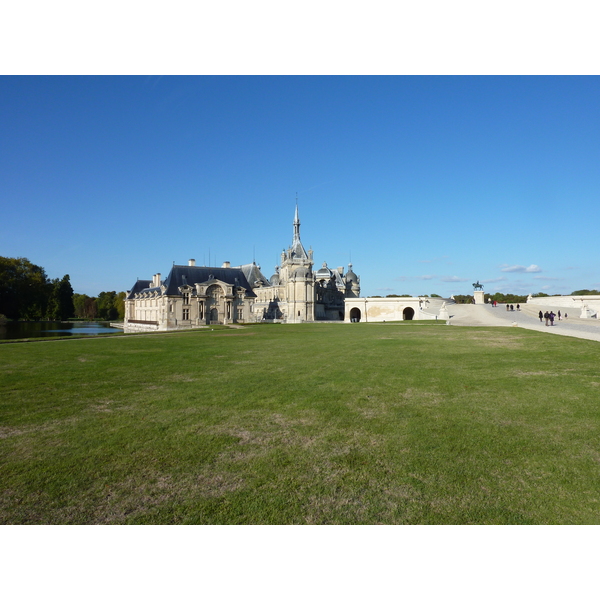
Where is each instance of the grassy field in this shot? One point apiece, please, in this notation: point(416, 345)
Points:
point(405, 423)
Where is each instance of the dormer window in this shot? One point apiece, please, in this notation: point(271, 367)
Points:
point(186, 297)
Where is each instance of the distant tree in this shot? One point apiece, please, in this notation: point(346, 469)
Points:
point(60, 303)
point(540, 295)
point(585, 293)
point(23, 289)
point(91, 308)
point(374, 296)
point(79, 305)
point(107, 309)
point(508, 298)
point(435, 296)
point(120, 305)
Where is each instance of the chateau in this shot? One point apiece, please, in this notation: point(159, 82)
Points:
point(194, 296)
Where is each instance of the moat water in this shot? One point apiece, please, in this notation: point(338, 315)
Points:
point(45, 329)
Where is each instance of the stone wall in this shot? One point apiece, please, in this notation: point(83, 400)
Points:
point(372, 310)
point(576, 306)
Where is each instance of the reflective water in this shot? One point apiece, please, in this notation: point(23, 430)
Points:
point(21, 330)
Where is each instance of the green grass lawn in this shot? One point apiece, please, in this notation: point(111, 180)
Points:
point(406, 423)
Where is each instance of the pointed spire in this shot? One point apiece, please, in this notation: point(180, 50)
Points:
point(297, 250)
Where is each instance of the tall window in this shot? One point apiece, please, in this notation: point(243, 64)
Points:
point(186, 314)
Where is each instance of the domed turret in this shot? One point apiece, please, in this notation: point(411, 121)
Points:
point(352, 283)
point(324, 273)
point(351, 275)
point(302, 273)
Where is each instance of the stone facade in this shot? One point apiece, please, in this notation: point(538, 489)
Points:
point(372, 310)
point(193, 296)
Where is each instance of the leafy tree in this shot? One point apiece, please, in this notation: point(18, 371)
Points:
point(585, 293)
point(23, 289)
point(507, 298)
point(120, 305)
point(107, 309)
point(91, 308)
point(435, 296)
point(79, 305)
point(60, 303)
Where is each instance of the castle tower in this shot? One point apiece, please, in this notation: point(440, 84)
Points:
point(352, 283)
point(297, 277)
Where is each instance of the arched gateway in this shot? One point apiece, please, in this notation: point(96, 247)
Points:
point(355, 315)
point(408, 313)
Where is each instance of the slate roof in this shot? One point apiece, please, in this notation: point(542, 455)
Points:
point(253, 275)
point(139, 286)
point(247, 276)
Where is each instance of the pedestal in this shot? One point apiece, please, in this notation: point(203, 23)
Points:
point(479, 297)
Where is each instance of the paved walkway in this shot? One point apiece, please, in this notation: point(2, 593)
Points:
point(527, 318)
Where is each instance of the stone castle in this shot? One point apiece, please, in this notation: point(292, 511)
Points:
point(194, 296)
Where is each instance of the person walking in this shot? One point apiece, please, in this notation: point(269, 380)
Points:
point(512, 307)
point(552, 315)
point(507, 308)
point(518, 307)
point(541, 316)
point(547, 317)
point(558, 315)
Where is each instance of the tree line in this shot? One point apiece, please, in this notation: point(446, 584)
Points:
point(27, 293)
point(497, 297)
point(107, 306)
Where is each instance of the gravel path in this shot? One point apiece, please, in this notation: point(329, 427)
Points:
point(527, 318)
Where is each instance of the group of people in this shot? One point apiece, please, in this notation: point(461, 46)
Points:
point(549, 316)
point(512, 307)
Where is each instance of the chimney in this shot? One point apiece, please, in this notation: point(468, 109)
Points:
point(156, 280)
point(226, 265)
point(192, 262)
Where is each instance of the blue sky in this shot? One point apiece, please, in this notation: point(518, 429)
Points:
point(426, 183)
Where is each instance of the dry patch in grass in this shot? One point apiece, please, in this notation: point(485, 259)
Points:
point(48, 427)
point(497, 341)
point(182, 378)
point(536, 373)
point(6, 432)
point(233, 334)
point(424, 397)
point(136, 496)
point(320, 509)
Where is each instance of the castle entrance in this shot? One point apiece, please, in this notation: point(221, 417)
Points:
point(408, 313)
point(355, 315)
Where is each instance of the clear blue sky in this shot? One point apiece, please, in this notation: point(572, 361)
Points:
point(426, 183)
